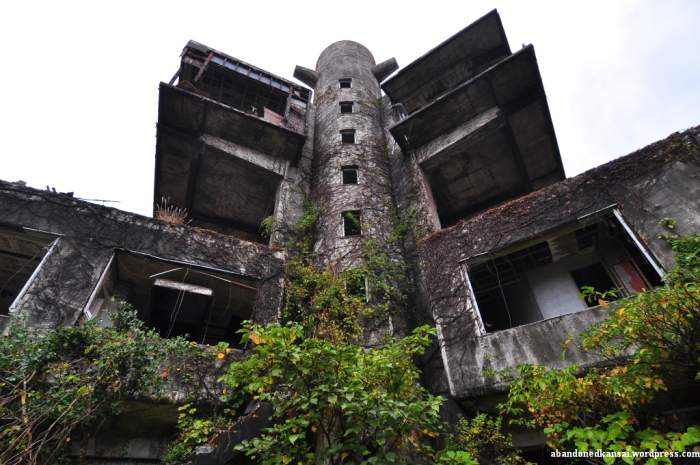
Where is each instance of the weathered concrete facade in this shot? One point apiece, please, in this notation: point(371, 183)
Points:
point(455, 172)
point(629, 195)
point(86, 237)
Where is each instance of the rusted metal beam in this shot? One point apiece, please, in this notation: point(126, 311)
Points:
point(204, 67)
point(175, 76)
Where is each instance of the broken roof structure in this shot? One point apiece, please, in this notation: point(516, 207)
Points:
point(226, 119)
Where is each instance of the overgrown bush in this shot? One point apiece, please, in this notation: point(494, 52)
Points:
point(54, 385)
point(336, 402)
point(483, 440)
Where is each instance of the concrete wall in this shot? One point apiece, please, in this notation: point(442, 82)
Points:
point(555, 291)
point(656, 182)
point(88, 236)
point(537, 343)
point(370, 196)
point(373, 195)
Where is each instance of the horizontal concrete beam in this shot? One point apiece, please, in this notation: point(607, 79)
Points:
point(196, 114)
point(384, 69)
point(268, 162)
point(466, 133)
point(306, 75)
point(538, 343)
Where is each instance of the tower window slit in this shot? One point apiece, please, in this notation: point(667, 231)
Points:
point(347, 136)
point(352, 223)
point(349, 174)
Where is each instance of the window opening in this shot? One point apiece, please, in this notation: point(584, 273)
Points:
point(100, 305)
point(352, 223)
point(586, 237)
point(594, 276)
point(346, 107)
point(543, 280)
point(358, 287)
point(347, 136)
point(241, 92)
point(640, 261)
point(22, 253)
point(345, 83)
point(236, 84)
point(349, 174)
point(177, 299)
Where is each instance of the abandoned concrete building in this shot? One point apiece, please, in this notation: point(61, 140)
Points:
point(459, 143)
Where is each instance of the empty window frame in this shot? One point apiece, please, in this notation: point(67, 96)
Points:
point(346, 107)
point(595, 276)
point(102, 307)
point(347, 136)
point(543, 280)
point(100, 304)
point(345, 83)
point(352, 223)
point(349, 174)
point(177, 299)
point(22, 254)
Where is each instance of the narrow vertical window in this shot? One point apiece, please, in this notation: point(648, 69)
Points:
point(345, 83)
point(352, 223)
point(349, 174)
point(347, 136)
point(346, 107)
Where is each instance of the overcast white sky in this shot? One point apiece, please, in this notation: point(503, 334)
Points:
point(79, 80)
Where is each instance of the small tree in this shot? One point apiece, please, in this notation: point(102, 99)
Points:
point(336, 402)
point(484, 441)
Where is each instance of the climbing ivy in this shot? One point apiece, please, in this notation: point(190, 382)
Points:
point(336, 304)
point(336, 401)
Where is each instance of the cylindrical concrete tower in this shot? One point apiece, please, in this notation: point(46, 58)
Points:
point(351, 178)
point(351, 173)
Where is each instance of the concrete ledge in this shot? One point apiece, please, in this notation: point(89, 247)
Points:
point(537, 343)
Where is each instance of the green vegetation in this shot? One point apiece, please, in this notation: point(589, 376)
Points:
point(336, 402)
point(266, 226)
point(481, 441)
point(195, 431)
point(55, 385)
point(654, 341)
point(333, 304)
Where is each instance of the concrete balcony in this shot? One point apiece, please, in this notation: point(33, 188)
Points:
point(489, 140)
